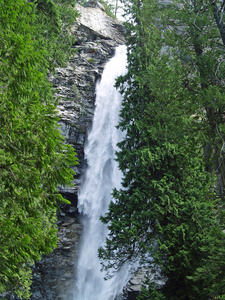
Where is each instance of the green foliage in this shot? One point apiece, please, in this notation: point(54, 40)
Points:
point(109, 8)
point(34, 158)
point(52, 22)
point(169, 212)
point(150, 291)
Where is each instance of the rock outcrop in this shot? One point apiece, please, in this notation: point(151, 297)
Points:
point(97, 35)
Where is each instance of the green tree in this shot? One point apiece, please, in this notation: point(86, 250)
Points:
point(199, 37)
point(168, 212)
point(34, 158)
point(53, 20)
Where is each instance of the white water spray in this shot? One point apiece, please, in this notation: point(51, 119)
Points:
point(102, 175)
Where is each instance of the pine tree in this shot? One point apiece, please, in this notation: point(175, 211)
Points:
point(34, 158)
point(200, 41)
point(167, 213)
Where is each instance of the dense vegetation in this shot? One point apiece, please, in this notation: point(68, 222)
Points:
point(169, 213)
point(34, 160)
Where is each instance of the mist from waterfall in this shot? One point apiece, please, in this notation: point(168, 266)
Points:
point(101, 176)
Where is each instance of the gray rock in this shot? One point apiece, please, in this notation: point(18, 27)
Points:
point(53, 275)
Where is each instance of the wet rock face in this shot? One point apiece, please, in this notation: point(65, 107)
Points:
point(97, 35)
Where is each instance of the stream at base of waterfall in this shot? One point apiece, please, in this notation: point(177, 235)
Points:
point(100, 177)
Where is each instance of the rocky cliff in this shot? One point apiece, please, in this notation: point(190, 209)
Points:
point(97, 35)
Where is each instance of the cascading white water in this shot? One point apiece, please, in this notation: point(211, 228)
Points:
point(102, 175)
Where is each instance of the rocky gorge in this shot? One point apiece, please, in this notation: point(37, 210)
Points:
point(97, 36)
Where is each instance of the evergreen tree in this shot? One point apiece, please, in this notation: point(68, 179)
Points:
point(199, 39)
point(168, 213)
point(34, 158)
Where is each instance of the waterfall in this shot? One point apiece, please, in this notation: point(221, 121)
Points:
point(102, 175)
